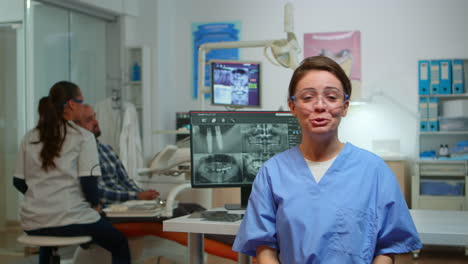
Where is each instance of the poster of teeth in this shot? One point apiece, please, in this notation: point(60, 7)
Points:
point(342, 47)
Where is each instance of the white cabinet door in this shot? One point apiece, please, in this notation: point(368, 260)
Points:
point(11, 10)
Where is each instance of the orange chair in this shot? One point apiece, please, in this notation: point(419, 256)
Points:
point(154, 228)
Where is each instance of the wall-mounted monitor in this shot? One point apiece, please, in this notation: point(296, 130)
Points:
point(229, 147)
point(235, 83)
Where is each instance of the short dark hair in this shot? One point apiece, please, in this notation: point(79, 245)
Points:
point(321, 63)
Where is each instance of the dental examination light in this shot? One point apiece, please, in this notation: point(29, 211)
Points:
point(284, 51)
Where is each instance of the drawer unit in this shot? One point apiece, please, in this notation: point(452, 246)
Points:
point(445, 169)
point(440, 185)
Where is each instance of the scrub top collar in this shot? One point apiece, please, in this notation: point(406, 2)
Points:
point(335, 168)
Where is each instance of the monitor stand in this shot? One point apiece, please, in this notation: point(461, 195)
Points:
point(245, 194)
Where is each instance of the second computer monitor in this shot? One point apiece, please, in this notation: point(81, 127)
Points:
point(235, 83)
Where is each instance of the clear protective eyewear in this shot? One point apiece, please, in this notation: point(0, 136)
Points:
point(330, 99)
point(76, 100)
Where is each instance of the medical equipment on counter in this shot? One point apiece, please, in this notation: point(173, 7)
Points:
point(171, 161)
point(170, 166)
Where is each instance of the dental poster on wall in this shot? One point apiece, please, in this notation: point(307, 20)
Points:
point(342, 47)
point(213, 32)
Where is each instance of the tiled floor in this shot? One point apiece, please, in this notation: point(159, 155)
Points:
point(149, 249)
point(10, 250)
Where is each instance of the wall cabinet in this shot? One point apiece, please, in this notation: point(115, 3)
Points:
point(440, 183)
point(137, 91)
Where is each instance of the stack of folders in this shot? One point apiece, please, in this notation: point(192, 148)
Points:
point(429, 114)
point(442, 76)
point(438, 77)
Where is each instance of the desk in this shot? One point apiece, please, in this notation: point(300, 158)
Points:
point(196, 227)
point(446, 228)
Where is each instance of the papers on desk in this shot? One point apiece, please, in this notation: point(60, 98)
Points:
point(220, 216)
point(136, 208)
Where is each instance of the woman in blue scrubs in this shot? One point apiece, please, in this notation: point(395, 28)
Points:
point(325, 201)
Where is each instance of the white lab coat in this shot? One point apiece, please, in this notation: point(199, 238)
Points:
point(54, 198)
point(131, 153)
point(110, 122)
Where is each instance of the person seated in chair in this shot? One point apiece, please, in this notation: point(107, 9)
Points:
point(57, 170)
point(115, 186)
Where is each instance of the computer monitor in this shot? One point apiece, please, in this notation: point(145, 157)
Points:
point(235, 83)
point(229, 147)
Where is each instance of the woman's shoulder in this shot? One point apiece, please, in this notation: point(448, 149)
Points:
point(367, 159)
point(79, 131)
point(361, 153)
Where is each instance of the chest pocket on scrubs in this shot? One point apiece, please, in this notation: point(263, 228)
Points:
point(354, 233)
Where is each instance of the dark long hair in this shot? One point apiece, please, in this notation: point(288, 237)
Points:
point(51, 125)
point(321, 63)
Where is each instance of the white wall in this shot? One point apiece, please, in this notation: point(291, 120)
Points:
point(129, 7)
point(395, 35)
point(11, 11)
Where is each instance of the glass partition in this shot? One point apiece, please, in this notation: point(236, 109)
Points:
point(87, 56)
point(10, 116)
point(66, 45)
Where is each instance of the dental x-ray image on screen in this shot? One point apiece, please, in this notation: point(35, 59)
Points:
point(264, 138)
point(221, 138)
point(235, 83)
point(218, 168)
point(228, 148)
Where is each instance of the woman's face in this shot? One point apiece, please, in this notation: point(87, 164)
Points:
point(319, 103)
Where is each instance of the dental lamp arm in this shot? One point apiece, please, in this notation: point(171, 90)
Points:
point(279, 44)
point(288, 18)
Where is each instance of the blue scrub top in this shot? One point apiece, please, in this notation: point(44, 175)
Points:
point(354, 213)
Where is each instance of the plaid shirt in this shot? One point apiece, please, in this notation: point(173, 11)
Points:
point(114, 184)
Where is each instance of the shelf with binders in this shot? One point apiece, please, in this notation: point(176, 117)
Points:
point(444, 113)
point(441, 173)
point(449, 133)
point(442, 77)
point(445, 96)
